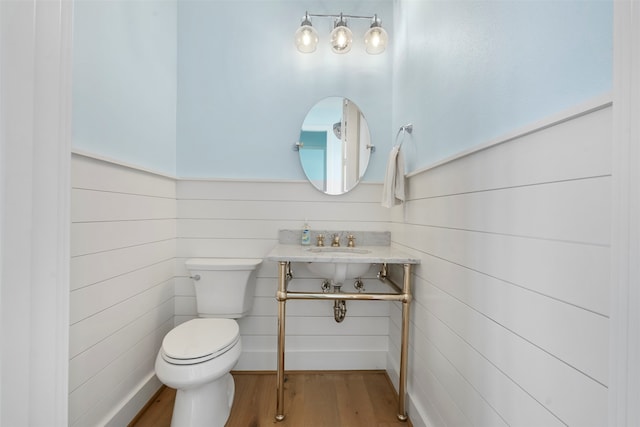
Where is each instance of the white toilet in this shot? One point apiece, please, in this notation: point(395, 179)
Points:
point(197, 356)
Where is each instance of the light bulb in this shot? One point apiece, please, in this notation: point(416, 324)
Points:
point(376, 38)
point(341, 37)
point(306, 36)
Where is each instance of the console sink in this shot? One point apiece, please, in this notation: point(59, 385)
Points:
point(338, 263)
point(339, 270)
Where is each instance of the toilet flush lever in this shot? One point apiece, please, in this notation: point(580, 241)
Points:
point(196, 277)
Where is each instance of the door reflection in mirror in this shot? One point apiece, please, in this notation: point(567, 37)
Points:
point(335, 145)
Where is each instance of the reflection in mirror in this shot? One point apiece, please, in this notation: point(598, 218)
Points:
point(334, 145)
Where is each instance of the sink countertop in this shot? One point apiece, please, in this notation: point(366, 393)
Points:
point(376, 255)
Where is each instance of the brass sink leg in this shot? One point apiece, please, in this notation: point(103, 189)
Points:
point(401, 295)
point(283, 272)
point(404, 345)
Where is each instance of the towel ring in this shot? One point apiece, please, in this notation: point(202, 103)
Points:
point(408, 128)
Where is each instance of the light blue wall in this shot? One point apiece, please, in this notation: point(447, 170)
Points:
point(230, 102)
point(467, 72)
point(244, 89)
point(124, 81)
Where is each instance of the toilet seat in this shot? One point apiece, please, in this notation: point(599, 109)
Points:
point(199, 340)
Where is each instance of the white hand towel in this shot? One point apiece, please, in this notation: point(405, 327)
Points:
point(393, 189)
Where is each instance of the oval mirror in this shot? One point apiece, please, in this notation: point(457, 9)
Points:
point(334, 145)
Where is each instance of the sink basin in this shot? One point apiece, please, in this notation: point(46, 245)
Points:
point(339, 270)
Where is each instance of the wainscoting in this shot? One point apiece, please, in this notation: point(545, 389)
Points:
point(510, 317)
point(241, 219)
point(121, 302)
point(132, 230)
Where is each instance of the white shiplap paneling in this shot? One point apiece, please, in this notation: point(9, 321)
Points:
point(242, 219)
point(99, 266)
point(510, 317)
point(121, 303)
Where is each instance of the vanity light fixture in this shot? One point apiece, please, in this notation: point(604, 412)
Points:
point(375, 40)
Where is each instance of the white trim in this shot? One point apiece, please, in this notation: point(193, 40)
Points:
point(36, 116)
point(65, 90)
point(133, 402)
point(116, 162)
point(111, 160)
point(2, 204)
point(266, 181)
point(624, 393)
point(304, 360)
point(594, 104)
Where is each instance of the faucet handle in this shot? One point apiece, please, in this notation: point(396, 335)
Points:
point(320, 240)
point(335, 242)
point(351, 242)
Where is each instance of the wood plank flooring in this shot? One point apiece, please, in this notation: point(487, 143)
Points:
point(312, 399)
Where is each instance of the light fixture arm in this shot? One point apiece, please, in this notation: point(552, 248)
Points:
point(341, 15)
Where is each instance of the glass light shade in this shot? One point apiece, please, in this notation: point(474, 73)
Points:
point(341, 38)
point(375, 40)
point(306, 39)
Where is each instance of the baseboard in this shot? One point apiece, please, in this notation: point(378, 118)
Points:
point(313, 360)
point(415, 411)
point(142, 410)
point(392, 369)
point(133, 403)
point(416, 414)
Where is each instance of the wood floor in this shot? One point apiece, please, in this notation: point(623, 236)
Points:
point(312, 399)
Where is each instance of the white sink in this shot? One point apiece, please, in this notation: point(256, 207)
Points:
point(338, 270)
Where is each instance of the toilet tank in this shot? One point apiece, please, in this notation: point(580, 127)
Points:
point(224, 286)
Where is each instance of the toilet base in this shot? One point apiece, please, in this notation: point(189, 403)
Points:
point(207, 405)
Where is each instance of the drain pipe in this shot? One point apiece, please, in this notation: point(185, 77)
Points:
point(339, 310)
point(339, 306)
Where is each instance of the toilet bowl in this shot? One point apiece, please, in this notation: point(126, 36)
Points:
point(197, 356)
point(195, 359)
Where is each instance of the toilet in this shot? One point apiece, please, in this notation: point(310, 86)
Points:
point(197, 356)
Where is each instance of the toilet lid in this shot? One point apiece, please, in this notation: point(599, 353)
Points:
point(200, 339)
